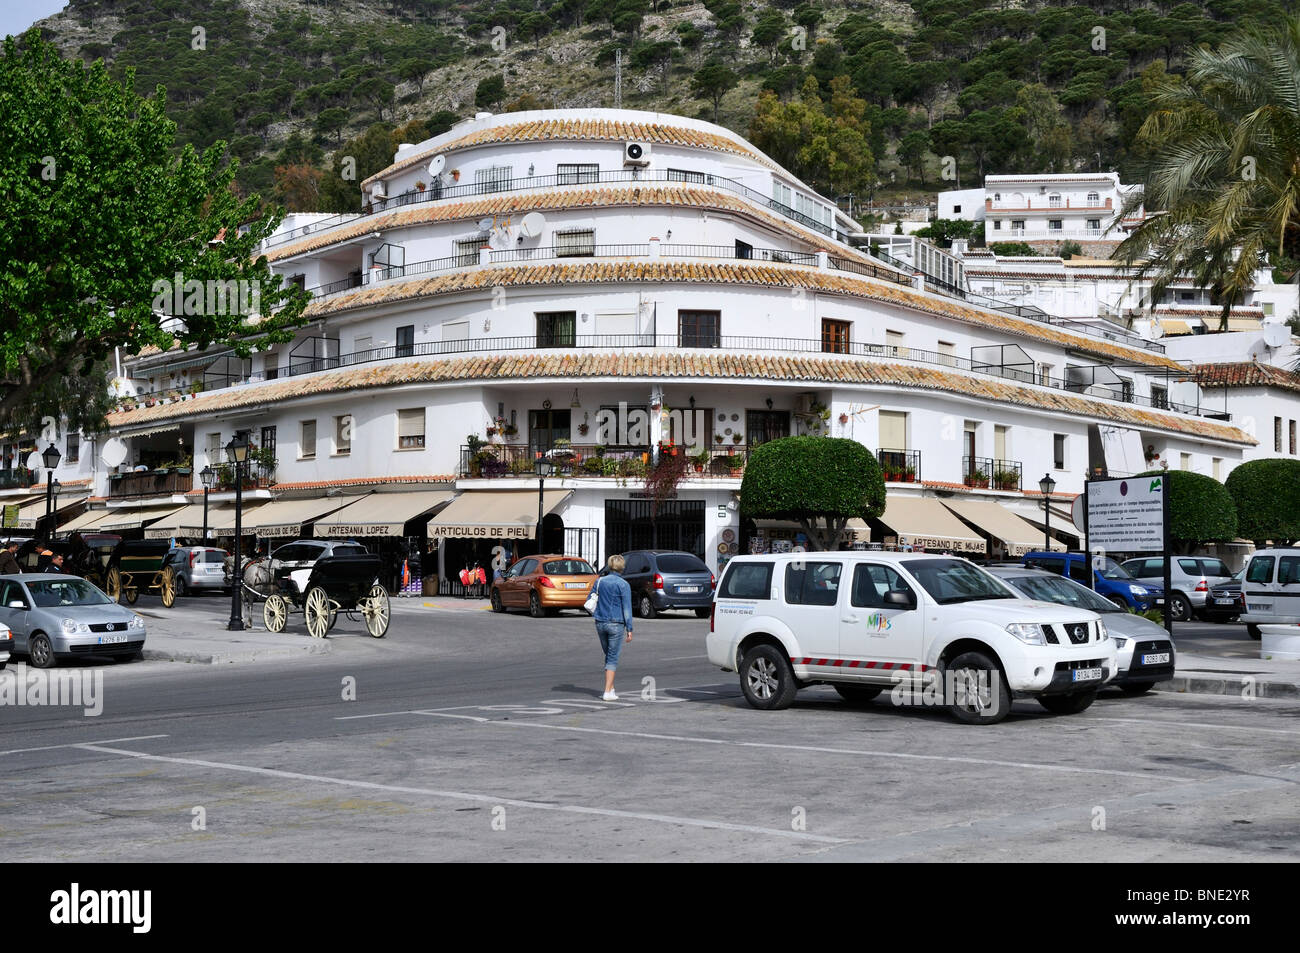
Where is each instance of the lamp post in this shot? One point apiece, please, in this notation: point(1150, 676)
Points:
point(209, 478)
point(50, 458)
point(544, 468)
point(1047, 485)
point(237, 451)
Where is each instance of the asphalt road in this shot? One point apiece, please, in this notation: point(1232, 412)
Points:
point(477, 737)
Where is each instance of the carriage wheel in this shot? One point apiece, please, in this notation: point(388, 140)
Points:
point(275, 613)
point(168, 586)
point(376, 611)
point(132, 594)
point(317, 610)
point(113, 584)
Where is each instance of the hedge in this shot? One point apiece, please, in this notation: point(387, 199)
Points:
point(1267, 497)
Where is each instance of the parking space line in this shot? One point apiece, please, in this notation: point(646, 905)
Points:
point(469, 796)
point(1195, 724)
point(78, 744)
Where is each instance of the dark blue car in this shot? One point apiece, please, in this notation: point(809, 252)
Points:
point(1111, 581)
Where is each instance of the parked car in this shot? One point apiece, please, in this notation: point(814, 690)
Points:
point(861, 621)
point(55, 617)
point(1111, 581)
point(1192, 577)
point(1272, 589)
point(667, 579)
point(543, 585)
point(1225, 602)
point(6, 644)
point(1143, 650)
point(197, 568)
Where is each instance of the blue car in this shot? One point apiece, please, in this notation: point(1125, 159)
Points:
point(1111, 581)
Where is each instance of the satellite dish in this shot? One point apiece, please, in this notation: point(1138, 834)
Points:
point(437, 164)
point(1157, 329)
point(1277, 335)
point(114, 452)
point(532, 224)
point(34, 461)
point(485, 224)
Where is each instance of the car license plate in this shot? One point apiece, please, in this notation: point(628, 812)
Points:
point(1160, 602)
point(1087, 674)
point(688, 588)
point(576, 585)
point(112, 639)
point(1159, 658)
point(1225, 602)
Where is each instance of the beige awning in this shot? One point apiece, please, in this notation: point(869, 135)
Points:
point(16, 506)
point(120, 519)
point(494, 514)
point(855, 530)
point(1173, 326)
point(1018, 536)
point(86, 521)
point(31, 513)
point(923, 523)
point(285, 517)
point(381, 514)
point(1242, 324)
point(189, 522)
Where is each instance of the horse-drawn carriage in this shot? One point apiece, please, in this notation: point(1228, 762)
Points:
point(330, 585)
point(119, 567)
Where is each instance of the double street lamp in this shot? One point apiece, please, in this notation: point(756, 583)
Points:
point(544, 468)
point(237, 453)
point(50, 457)
point(1047, 485)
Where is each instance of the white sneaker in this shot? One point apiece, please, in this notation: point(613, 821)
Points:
point(609, 697)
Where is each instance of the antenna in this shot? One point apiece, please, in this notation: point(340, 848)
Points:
point(618, 79)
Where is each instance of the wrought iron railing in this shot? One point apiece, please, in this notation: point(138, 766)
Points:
point(899, 466)
point(151, 482)
point(991, 474)
point(519, 460)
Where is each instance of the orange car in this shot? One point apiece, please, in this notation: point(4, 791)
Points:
point(544, 585)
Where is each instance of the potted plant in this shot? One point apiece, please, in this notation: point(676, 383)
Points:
point(419, 184)
point(700, 460)
point(737, 439)
point(455, 174)
point(717, 438)
point(844, 419)
point(583, 429)
point(1006, 479)
point(735, 464)
point(909, 474)
point(976, 478)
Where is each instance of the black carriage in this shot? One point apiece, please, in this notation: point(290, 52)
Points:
point(88, 555)
point(334, 584)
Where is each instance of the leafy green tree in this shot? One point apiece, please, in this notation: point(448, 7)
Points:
point(358, 158)
point(820, 482)
point(1201, 509)
point(1011, 249)
point(911, 152)
point(98, 207)
point(331, 121)
point(769, 30)
point(1049, 141)
point(829, 149)
point(712, 81)
point(490, 91)
point(1267, 497)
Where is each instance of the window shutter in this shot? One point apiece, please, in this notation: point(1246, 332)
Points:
point(893, 430)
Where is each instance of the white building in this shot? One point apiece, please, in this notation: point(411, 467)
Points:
point(536, 272)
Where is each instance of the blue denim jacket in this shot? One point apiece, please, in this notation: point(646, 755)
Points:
point(615, 600)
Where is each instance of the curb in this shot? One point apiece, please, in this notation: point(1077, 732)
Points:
point(226, 656)
point(1211, 683)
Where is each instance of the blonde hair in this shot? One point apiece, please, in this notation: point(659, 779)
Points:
point(616, 563)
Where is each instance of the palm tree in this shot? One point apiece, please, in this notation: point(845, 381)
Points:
point(1225, 172)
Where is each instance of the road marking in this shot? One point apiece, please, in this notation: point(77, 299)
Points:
point(477, 798)
point(678, 658)
point(78, 744)
point(1195, 724)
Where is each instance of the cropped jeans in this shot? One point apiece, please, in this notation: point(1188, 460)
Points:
point(612, 636)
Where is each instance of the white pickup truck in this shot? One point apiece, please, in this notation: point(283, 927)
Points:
point(930, 629)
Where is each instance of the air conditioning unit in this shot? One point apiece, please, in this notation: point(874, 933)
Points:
point(636, 153)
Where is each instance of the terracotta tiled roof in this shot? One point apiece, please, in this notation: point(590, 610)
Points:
point(576, 130)
point(354, 482)
point(1174, 311)
point(1244, 374)
point(708, 366)
point(730, 272)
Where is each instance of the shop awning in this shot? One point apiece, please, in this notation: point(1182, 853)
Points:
point(189, 522)
point(30, 513)
point(85, 522)
point(285, 517)
point(1018, 536)
point(382, 514)
point(20, 502)
point(122, 519)
point(1174, 326)
point(923, 523)
point(494, 514)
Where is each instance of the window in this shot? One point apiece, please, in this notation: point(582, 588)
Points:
point(956, 209)
point(627, 425)
point(1054, 200)
point(997, 196)
point(405, 341)
point(546, 428)
point(947, 353)
point(893, 430)
point(747, 581)
point(1216, 468)
point(493, 179)
point(1277, 434)
point(764, 425)
point(307, 440)
point(1261, 569)
point(1292, 436)
point(1058, 451)
point(1093, 199)
point(871, 582)
point(1094, 225)
point(576, 173)
point(362, 343)
point(1000, 441)
point(1160, 397)
point(268, 442)
point(835, 336)
point(782, 195)
point(968, 442)
point(1268, 309)
point(682, 175)
point(1045, 375)
point(575, 242)
point(744, 249)
point(1054, 224)
point(1288, 570)
point(343, 435)
point(699, 328)
point(467, 252)
point(74, 445)
point(1126, 390)
point(893, 342)
point(1215, 567)
point(299, 280)
point(410, 429)
point(812, 583)
point(997, 225)
point(1018, 224)
point(1184, 461)
point(557, 328)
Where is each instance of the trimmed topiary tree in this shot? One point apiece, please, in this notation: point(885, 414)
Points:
point(1200, 509)
point(820, 482)
point(1267, 497)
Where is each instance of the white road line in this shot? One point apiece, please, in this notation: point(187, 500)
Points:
point(477, 798)
point(78, 744)
point(1196, 724)
point(678, 658)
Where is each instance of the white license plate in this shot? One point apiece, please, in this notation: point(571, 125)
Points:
point(576, 585)
point(1159, 658)
point(112, 639)
point(688, 588)
point(1087, 674)
point(1159, 602)
point(1225, 602)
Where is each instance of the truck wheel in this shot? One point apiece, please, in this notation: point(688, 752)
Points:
point(857, 694)
point(1253, 631)
point(1179, 608)
point(766, 679)
point(1070, 704)
point(974, 689)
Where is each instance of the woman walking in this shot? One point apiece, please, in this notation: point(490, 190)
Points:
point(613, 617)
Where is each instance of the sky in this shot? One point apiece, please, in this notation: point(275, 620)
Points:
point(17, 15)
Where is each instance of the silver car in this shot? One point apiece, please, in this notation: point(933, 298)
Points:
point(1144, 650)
point(1193, 577)
point(54, 616)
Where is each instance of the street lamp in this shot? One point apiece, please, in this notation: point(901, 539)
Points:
point(544, 468)
point(237, 452)
point(50, 457)
point(209, 478)
point(1047, 485)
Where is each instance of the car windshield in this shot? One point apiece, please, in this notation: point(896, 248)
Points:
point(1062, 591)
point(680, 562)
point(1110, 569)
point(48, 594)
point(349, 551)
point(569, 567)
point(954, 580)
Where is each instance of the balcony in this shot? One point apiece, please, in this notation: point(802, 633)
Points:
point(15, 477)
point(592, 461)
point(988, 473)
point(150, 483)
point(900, 466)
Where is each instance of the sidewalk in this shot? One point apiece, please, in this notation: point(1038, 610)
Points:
point(1239, 676)
point(218, 646)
